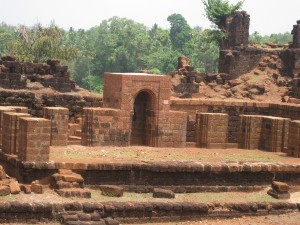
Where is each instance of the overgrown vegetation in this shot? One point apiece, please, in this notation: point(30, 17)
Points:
point(217, 10)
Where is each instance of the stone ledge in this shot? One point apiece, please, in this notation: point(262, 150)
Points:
point(148, 211)
point(168, 166)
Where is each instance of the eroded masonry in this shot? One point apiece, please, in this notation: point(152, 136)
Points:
point(139, 109)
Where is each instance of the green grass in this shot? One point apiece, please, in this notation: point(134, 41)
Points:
point(261, 196)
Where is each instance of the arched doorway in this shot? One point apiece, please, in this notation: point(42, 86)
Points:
point(143, 120)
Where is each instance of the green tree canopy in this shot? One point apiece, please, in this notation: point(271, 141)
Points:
point(217, 10)
point(180, 33)
point(38, 44)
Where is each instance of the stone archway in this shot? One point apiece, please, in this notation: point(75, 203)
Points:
point(143, 119)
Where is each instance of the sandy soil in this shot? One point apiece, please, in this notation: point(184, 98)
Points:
point(77, 153)
point(286, 219)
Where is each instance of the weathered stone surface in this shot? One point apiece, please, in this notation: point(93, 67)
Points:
point(279, 195)
point(66, 179)
point(26, 188)
point(74, 192)
point(37, 188)
point(163, 193)
point(14, 187)
point(2, 173)
point(111, 190)
point(4, 190)
point(110, 221)
point(280, 187)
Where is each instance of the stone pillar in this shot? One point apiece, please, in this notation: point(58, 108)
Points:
point(34, 139)
point(172, 128)
point(3, 109)
point(10, 134)
point(237, 30)
point(104, 126)
point(274, 134)
point(211, 130)
point(296, 35)
point(294, 139)
point(263, 132)
point(59, 118)
point(249, 131)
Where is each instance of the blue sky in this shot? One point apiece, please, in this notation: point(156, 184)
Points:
point(267, 16)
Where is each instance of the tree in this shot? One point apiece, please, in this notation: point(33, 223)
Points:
point(281, 38)
point(6, 35)
point(180, 33)
point(39, 44)
point(217, 10)
point(119, 45)
point(205, 56)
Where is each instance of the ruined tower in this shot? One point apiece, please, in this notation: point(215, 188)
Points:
point(237, 30)
point(296, 35)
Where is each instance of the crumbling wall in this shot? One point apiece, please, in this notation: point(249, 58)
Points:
point(234, 110)
point(35, 102)
point(236, 58)
point(237, 30)
point(16, 75)
point(239, 61)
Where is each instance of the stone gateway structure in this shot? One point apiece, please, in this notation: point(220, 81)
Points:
point(136, 111)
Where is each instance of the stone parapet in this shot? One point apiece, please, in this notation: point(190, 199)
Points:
point(59, 118)
point(4, 109)
point(250, 131)
point(263, 132)
point(274, 135)
point(10, 136)
point(294, 139)
point(34, 139)
point(103, 126)
point(211, 130)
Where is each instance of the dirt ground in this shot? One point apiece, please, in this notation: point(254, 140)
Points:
point(286, 219)
point(77, 153)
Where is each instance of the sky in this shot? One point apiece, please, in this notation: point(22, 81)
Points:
point(267, 16)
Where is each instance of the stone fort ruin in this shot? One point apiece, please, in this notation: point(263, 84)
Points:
point(139, 109)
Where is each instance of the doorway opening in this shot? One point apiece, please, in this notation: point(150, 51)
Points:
point(143, 120)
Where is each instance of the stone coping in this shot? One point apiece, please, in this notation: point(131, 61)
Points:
point(169, 166)
point(93, 212)
point(206, 102)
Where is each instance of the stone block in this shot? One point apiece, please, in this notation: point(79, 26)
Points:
point(26, 188)
point(4, 190)
point(111, 190)
point(59, 118)
point(263, 132)
point(280, 187)
point(294, 139)
point(211, 129)
point(36, 187)
point(34, 139)
point(14, 187)
point(10, 134)
point(2, 173)
point(163, 193)
point(278, 195)
point(249, 131)
point(274, 136)
point(74, 192)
